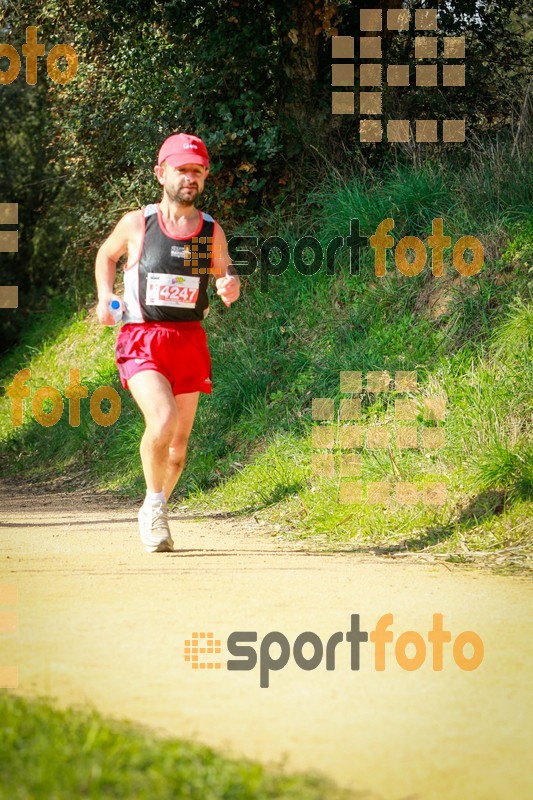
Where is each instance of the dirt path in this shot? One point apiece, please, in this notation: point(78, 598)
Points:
point(103, 623)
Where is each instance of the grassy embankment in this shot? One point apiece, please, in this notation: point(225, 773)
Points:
point(468, 338)
point(69, 754)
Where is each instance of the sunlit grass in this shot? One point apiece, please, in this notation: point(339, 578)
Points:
point(468, 339)
point(48, 753)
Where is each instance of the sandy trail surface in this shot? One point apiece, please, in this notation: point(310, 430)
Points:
point(103, 623)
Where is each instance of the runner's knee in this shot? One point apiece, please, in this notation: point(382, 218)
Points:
point(177, 451)
point(161, 429)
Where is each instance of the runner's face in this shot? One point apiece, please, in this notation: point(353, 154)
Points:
point(183, 184)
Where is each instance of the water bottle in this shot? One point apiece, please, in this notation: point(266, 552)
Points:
point(116, 311)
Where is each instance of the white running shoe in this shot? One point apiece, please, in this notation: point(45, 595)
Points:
point(153, 528)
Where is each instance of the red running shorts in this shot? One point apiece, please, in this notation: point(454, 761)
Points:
point(178, 350)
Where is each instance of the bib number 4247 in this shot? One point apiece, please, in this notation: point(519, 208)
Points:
point(178, 291)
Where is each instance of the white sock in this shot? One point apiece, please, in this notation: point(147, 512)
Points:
point(154, 497)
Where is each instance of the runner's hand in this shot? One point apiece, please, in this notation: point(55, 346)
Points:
point(229, 288)
point(103, 312)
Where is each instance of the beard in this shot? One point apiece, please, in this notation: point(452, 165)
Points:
point(182, 196)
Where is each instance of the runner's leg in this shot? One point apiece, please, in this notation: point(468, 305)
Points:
point(153, 394)
point(186, 405)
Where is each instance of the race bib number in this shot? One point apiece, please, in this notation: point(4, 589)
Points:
point(178, 291)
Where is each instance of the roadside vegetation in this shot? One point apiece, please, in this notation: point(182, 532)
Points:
point(467, 338)
point(254, 80)
point(47, 752)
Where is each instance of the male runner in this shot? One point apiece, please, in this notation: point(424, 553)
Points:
point(161, 350)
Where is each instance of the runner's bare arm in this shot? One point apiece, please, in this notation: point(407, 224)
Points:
point(116, 245)
point(227, 281)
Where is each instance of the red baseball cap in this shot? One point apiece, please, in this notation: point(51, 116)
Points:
point(183, 148)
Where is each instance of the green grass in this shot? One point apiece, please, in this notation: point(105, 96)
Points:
point(469, 340)
point(49, 753)
point(50, 353)
point(486, 463)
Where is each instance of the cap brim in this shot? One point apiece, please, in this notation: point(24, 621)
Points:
point(180, 160)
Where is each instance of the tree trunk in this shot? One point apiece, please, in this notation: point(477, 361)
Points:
point(300, 32)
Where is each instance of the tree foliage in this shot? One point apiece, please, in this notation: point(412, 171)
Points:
point(252, 78)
